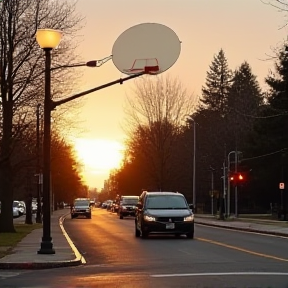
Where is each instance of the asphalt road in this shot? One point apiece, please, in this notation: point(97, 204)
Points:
point(115, 258)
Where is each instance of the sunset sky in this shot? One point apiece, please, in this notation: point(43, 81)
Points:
point(247, 30)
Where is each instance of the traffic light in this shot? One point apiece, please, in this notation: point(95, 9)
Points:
point(240, 177)
point(237, 178)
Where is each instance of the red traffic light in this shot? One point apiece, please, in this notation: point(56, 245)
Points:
point(237, 177)
point(240, 177)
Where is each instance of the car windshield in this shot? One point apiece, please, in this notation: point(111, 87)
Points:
point(166, 202)
point(129, 201)
point(82, 203)
point(16, 204)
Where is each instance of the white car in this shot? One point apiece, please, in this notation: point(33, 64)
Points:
point(34, 207)
point(19, 206)
point(16, 212)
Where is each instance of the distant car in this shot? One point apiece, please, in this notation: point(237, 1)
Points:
point(81, 207)
point(16, 212)
point(127, 206)
point(163, 213)
point(22, 203)
point(18, 205)
point(34, 207)
point(109, 205)
point(15, 209)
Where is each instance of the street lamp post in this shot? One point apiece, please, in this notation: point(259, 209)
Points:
point(47, 39)
point(194, 164)
point(39, 208)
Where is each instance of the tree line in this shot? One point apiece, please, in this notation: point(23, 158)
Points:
point(233, 117)
point(21, 98)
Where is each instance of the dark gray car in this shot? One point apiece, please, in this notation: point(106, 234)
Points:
point(163, 213)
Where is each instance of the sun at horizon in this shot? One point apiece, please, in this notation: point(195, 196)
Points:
point(99, 157)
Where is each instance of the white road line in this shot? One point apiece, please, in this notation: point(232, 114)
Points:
point(4, 275)
point(220, 274)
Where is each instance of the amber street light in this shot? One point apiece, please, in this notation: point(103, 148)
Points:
point(47, 39)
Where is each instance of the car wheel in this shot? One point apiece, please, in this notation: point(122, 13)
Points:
point(121, 216)
point(72, 217)
point(137, 232)
point(89, 216)
point(190, 235)
point(144, 234)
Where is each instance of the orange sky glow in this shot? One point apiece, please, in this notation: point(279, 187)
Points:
point(247, 30)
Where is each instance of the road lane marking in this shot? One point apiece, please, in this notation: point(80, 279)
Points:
point(220, 274)
point(4, 275)
point(243, 250)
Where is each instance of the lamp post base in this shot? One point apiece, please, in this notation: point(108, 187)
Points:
point(46, 248)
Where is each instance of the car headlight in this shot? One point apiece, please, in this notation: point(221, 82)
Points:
point(149, 218)
point(87, 210)
point(124, 208)
point(189, 218)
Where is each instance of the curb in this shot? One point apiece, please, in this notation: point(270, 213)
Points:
point(34, 266)
point(79, 259)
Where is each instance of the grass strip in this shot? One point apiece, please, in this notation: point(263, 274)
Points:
point(9, 240)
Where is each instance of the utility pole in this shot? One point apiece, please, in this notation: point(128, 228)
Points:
point(236, 187)
point(194, 164)
point(212, 189)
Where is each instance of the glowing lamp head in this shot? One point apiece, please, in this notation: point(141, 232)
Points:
point(48, 38)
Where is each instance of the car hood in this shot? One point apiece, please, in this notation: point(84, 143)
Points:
point(169, 212)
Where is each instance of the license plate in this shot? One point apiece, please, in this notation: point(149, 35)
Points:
point(170, 226)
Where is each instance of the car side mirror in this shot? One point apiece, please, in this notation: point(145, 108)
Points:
point(191, 206)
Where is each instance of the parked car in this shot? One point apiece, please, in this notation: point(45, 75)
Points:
point(127, 206)
point(109, 205)
point(163, 213)
point(15, 208)
point(18, 205)
point(81, 207)
point(34, 207)
point(24, 206)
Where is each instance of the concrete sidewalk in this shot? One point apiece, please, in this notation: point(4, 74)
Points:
point(25, 256)
point(271, 227)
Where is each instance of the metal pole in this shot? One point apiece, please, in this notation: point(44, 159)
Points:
point(224, 189)
point(236, 188)
point(212, 192)
point(39, 212)
point(47, 244)
point(228, 185)
point(194, 166)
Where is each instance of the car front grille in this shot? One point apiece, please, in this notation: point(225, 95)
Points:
point(170, 219)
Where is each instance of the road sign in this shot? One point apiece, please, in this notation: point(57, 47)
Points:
point(281, 185)
point(148, 47)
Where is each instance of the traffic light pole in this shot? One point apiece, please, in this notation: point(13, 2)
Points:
point(236, 186)
point(236, 153)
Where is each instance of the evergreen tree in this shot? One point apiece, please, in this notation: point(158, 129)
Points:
point(244, 100)
point(270, 140)
point(215, 93)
